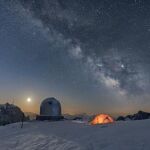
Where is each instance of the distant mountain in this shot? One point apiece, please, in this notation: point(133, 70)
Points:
point(82, 116)
point(10, 113)
point(31, 115)
point(140, 115)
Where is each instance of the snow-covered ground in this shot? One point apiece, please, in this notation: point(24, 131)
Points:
point(68, 135)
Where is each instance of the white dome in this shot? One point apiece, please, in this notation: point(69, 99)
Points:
point(50, 107)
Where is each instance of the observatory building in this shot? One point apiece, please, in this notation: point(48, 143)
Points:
point(50, 109)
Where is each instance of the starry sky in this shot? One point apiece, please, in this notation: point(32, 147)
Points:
point(93, 56)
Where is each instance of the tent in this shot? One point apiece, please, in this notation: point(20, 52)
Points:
point(102, 119)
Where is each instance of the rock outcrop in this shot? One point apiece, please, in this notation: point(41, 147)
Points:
point(10, 113)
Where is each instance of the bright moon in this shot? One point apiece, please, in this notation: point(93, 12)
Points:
point(29, 99)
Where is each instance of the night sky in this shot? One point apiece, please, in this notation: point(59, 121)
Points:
point(92, 55)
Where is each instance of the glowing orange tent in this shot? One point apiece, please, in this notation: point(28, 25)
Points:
point(102, 119)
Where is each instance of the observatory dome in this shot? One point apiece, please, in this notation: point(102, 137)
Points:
point(50, 107)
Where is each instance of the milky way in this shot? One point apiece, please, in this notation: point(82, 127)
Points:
point(97, 51)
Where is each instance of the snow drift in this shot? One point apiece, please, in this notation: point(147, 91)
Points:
point(68, 135)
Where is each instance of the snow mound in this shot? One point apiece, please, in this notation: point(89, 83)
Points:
point(37, 142)
point(68, 135)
